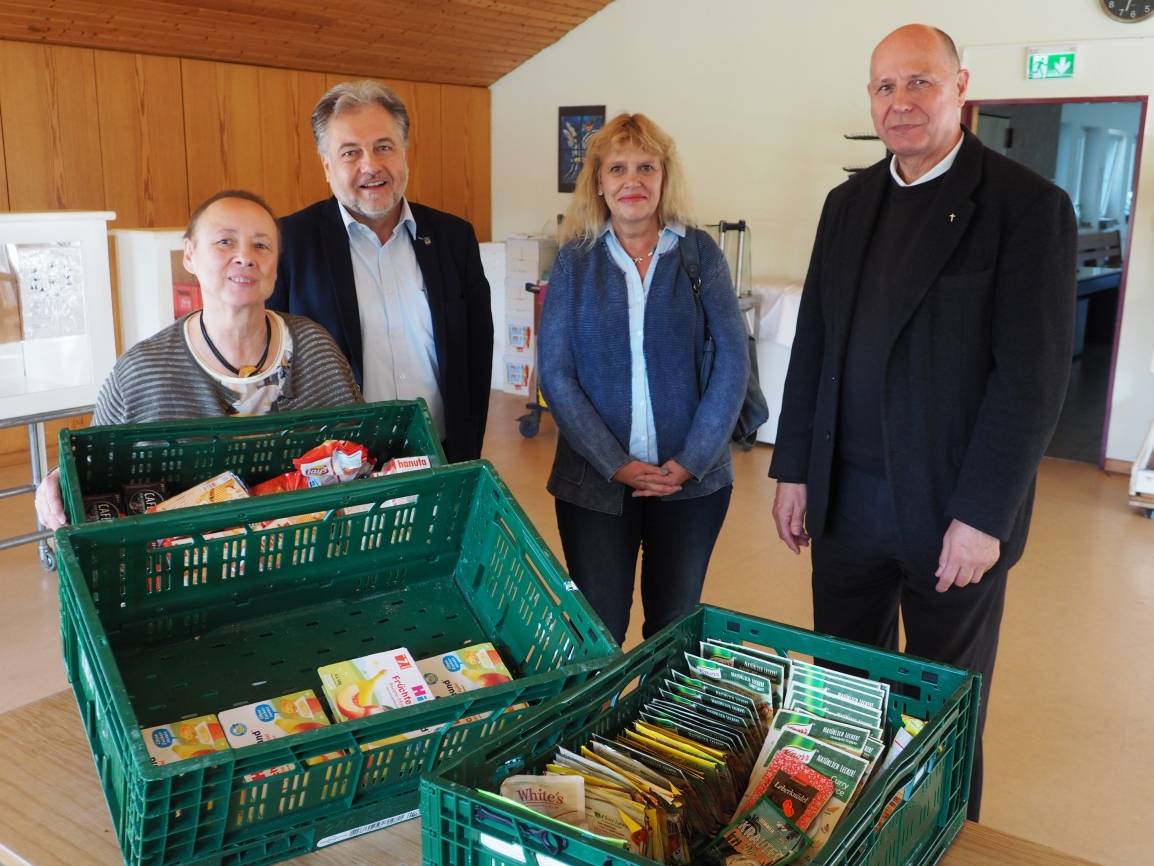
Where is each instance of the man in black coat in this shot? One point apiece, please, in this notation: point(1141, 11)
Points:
point(930, 365)
point(398, 285)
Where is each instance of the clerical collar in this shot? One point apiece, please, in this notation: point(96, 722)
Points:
point(935, 172)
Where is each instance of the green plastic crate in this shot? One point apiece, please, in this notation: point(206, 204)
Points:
point(259, 447)
point(461, 829)
point(155, 634)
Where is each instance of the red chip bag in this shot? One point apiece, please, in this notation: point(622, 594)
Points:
point(280, 484)
point(332, 462)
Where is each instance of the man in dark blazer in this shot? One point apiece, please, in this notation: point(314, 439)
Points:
point(930, 365)
point(398, 285)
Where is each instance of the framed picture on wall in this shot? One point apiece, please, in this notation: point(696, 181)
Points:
point(575, 124)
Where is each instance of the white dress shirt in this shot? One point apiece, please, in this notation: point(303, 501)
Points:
point(399, 353)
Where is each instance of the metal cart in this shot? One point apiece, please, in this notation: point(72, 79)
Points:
point(530, 423)
point(733, 239)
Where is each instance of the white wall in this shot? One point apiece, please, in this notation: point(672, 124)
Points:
point(758, 93)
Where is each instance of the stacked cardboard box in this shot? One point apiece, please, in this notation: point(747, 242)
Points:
point(528, 260)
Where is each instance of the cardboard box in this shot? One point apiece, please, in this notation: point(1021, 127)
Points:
point(518, 375)
point(519, 334)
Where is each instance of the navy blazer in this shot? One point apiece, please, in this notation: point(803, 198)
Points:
point(979, 343)
point(315, 279)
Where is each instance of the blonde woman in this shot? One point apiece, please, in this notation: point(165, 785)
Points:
point(642, 458)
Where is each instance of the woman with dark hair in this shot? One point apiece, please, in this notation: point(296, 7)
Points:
point(233, 357)
point(642, 458)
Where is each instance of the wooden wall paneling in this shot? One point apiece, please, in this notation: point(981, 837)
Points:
point(142, 139)
point(426, 180)
point(466, 154)
point(51, 127)
point(3, 169)
point(282, 154)
point(314, 187)
point(222, 128)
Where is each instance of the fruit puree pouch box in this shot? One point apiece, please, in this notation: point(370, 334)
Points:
point(471, 667)
point(374, 684)
point(179, 741)
point(272, 719)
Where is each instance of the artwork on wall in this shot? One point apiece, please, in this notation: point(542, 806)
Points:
point(57, 339)
point(575, 124)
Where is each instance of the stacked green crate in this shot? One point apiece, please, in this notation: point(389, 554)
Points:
point(154, 632)
point(182, 454)
point(460, 828)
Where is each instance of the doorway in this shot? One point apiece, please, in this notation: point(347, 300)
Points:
point(1090, 148)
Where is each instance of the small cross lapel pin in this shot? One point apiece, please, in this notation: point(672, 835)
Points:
point(953, 217)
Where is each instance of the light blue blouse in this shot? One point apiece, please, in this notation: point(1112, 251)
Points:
point(643, 432)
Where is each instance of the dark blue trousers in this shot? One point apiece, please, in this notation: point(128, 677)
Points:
point(676, 538)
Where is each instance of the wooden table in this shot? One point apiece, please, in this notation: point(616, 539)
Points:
point(53, 813)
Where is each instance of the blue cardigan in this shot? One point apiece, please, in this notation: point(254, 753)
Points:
point(584, 370)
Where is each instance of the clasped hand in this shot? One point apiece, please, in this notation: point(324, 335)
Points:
point(646, 479)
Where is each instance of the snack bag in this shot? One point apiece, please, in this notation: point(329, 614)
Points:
point(179, 741)
point(280, 484)
point(332, 462)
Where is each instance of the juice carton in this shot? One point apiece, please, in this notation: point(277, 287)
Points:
point(373, 684)
point(191, 738)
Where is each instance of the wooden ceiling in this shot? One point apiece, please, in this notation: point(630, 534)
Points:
point(471, 42)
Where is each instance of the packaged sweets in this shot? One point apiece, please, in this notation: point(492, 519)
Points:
point(220, 488)
point(103, 506)
point(143, 496)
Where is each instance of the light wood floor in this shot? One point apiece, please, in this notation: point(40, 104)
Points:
point(1069, 743)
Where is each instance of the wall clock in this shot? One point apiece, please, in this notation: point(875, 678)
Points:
point(1128, 11)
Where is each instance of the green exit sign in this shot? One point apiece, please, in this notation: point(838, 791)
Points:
point(1050, 64)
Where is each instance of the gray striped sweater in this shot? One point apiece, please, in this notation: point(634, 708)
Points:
point(159, 380)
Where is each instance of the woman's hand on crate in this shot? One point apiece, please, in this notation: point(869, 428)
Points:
point(50, 503)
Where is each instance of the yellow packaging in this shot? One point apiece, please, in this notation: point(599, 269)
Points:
point(179, 741)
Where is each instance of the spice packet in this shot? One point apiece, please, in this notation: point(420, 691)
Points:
point(762, 836)
point(559, 797)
